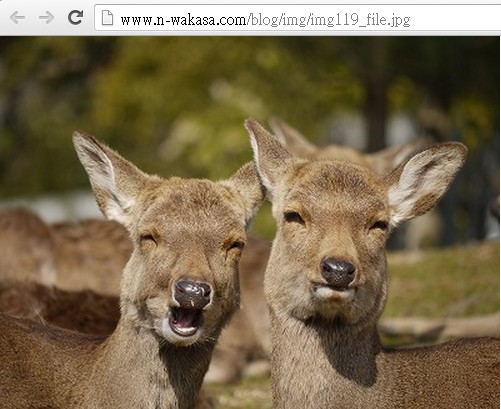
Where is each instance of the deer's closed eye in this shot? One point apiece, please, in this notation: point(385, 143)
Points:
point(293, 217)
point(237, 244)
point(147, 238)
point(379, 225)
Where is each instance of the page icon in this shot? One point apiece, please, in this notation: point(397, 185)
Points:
point(107, 18)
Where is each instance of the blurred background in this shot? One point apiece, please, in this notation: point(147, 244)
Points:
point(176, 106)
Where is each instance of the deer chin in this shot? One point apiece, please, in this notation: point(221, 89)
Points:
point(323, 292)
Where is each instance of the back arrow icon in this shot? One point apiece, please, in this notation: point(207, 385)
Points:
point(49, 17)
point(14, 17)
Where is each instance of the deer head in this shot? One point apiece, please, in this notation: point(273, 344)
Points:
point(181, 282)
point(333, 219)
point(382, 162)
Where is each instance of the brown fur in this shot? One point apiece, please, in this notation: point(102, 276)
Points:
point(27, 247)
point(418, 233)
point(180, 229)
point(246, 339)
point(83, 311)
point(326, 351)
point(73, 256)
point(88, 258)
point(381, 162)
point(250, 332)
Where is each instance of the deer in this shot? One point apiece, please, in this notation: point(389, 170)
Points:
point(419, 232)
point(326, 285)
point(84, 311)
point(69, 276)
point(72, 255)
point(249, 331)
point(23, 231)
point(382, 161)
point(178, 290)
point(424, 229)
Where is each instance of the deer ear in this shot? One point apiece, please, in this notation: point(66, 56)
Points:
point(384, 161)
point(417, 185)
point(115, 181)
point(247, 184)
point(290, 137)
point(271, 158)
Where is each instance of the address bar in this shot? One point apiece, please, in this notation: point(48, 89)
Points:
point(296, 18)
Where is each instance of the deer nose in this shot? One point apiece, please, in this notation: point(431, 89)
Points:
point(338, 274)
point(192, 294)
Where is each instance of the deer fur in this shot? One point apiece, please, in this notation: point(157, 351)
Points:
point(333, 220)
point(179, 288)
point(382, 162)
point(73, 256)
point(69, 276)
point(83, 311)
point(244, 345)
point(23, 232)
point(424, 231)
point(246, 338)
point(249, 330)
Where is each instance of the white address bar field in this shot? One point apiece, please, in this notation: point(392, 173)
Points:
point(295, 18)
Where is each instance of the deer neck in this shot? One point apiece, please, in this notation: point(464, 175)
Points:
point(148, 372)
point(339, 361)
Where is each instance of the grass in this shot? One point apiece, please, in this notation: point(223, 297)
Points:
point(456, 281)
point(250, 393)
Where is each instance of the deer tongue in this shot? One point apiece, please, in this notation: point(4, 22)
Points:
point(185, 321)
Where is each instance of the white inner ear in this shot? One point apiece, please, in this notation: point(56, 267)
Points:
point(402, 196)
point(264, 178)
point(424, 175)
point(116, 209)
point(102, 177)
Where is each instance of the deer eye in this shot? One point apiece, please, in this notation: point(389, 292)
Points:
point(236, 244)
point(147, 238)
point(293, 217)
point(379, 225)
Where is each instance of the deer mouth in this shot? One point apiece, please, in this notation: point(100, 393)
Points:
point(325, 291)
point(185, 322)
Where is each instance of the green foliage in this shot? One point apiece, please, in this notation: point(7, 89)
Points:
point(175, 105)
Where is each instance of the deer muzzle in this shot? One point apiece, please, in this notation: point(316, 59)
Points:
point(192, 297)
point(338, 274)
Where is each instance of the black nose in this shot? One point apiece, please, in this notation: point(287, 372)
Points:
point(192, 294)
point(338, 274)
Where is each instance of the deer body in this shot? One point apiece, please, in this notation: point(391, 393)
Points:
point(70, 380)
point(354, 371)
point(179, 288)
point(326, 286)
point(90, 254)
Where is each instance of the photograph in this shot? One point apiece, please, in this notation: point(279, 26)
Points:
point(249, 221)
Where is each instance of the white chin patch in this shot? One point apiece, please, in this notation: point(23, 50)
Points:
point(180, 337)
point(329, 294)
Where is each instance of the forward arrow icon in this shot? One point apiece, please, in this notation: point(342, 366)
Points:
point(49, 17)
